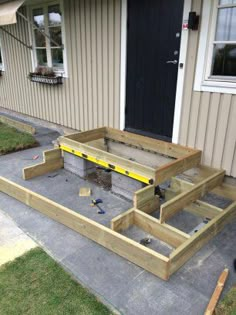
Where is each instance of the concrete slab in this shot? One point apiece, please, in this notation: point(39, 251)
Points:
point(115, 280)
point(13, 241)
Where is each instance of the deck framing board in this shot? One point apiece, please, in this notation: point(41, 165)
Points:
point(185, 158)
point(119, 244)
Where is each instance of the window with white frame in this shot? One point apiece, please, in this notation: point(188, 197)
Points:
point(216, 64)
point(47, 19)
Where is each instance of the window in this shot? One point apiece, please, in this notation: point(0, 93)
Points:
point(48, 52)
point(216, 65)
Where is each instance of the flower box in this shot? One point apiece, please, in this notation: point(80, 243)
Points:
point(52, 80)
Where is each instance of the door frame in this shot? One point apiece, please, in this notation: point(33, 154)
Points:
point(181, 72)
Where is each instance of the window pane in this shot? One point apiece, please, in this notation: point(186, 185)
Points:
point(225, 2)
point(40, 40)
point(224, 60)
point(38, 17)
point(55, 34)
point(226, 24)
point(41, 57)
point(57, 58)
point(54, 15)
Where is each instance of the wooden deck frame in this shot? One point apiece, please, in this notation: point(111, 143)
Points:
point(184, 158)
point(171, 207)
point(52, 161)
point(145, 200)
point(184, 245)
point(138, 254)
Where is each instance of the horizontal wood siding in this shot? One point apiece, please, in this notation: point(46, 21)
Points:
point(89, 97)
point(208, 119)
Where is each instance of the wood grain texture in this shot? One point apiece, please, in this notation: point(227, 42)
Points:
point(123, 221)
point(145, 143)
point(121, 245)
point(217, 293)
point(179, 166)
point(200, 238)
point(18, 125)
point(146, 200)
point(169, 208)
point(52, 161)
point(163, 232)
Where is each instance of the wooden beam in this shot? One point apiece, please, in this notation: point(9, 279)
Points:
point(166, 171)
point(87, 136)
point(203, 209)
point(164, 232)
point(226, 191)
point(123, 221)
point(109, 158)
point(146, 143)
point(185, 251)
point(210, 310)
point(18, 124)
point(223, 190)
point(121, 245)
point(179, 184)
point(171, 207)
point(146, 200)
point(53, 161)
point(53, 154)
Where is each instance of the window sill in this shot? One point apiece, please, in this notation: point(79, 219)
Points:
point(217, 87)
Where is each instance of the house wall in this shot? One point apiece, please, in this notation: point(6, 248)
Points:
point(90, 96)
point(208, 119)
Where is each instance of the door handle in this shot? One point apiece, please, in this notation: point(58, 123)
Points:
point(172, 61)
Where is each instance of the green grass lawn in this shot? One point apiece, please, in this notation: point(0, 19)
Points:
point(13, 140)
point(228, 305)
point(35, 284)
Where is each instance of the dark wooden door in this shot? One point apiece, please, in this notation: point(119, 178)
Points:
point(153, 45)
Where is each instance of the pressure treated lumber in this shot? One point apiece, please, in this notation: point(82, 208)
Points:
point(146, 200)
point(203, 209)
point(89, 135)
point(217, 292)
point(18, 124)
point(164, 232)
point(146, 143)
point(171, 207)
point(226, 191)
point(123, 221)
point(52, 162)
point(121, 245)
point(223, 190)
point(182, 164)
point(107, 157)
point(185, 251)
point(184, 158)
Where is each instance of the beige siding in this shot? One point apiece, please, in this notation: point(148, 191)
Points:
point(89, 96)
point(208, 119)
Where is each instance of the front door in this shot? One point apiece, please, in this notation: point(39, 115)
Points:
point(153, 47)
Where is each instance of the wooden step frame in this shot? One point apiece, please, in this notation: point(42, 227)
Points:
point(184, 157)
point(187, 192)
point(52, 161)
point(184, 245)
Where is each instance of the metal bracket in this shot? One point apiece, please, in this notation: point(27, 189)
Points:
point(17, 39)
